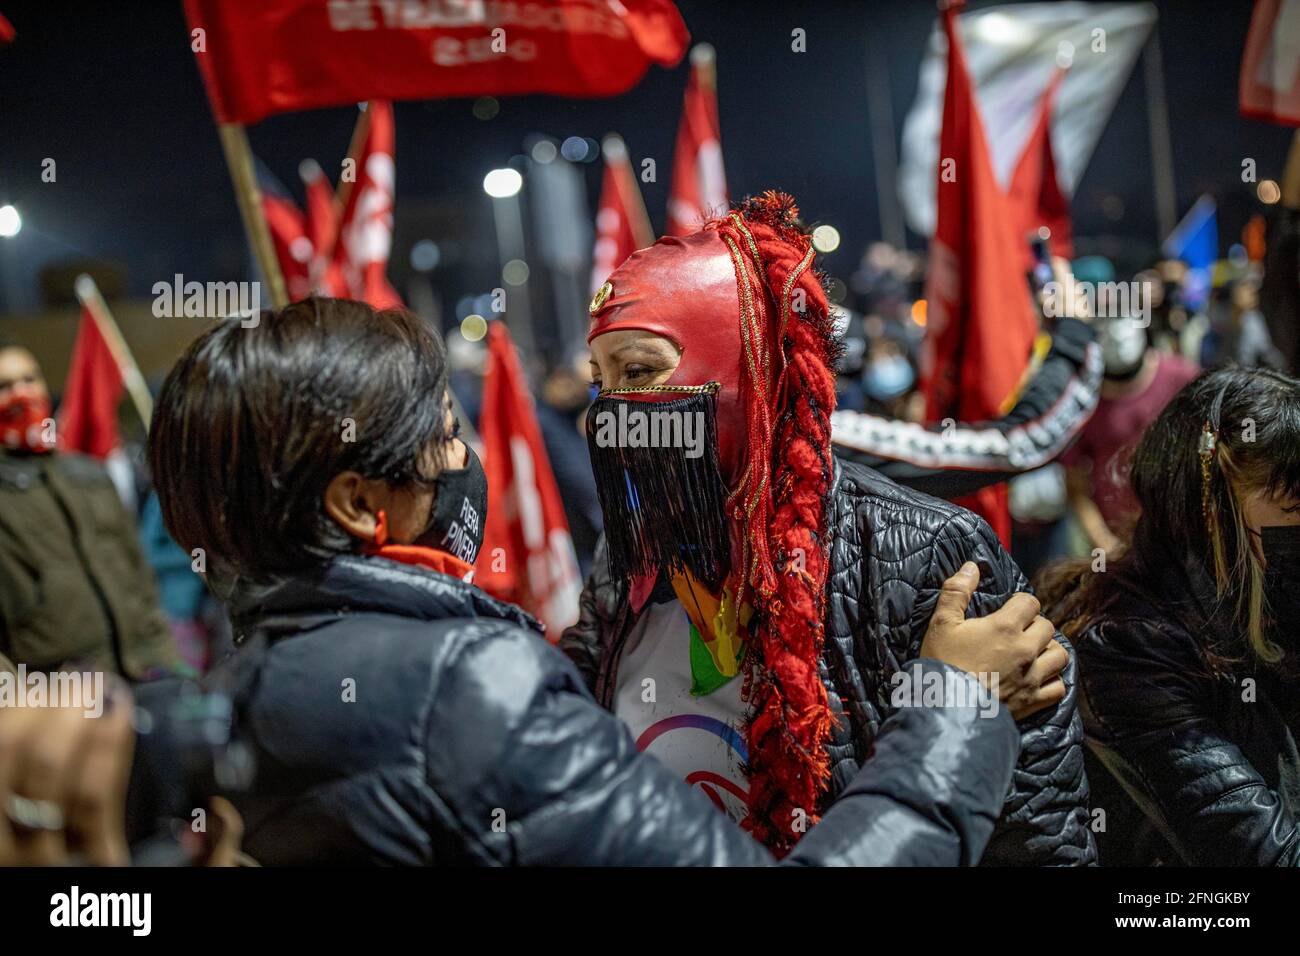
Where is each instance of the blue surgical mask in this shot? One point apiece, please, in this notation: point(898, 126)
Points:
point(888, 378)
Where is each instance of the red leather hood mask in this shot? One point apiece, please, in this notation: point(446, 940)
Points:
point(685, 289)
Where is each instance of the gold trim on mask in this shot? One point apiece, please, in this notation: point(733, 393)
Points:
point(708, 388)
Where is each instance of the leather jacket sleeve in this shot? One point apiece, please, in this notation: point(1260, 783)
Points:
point(952, 461)
point(1150, 719)
point(580, 642)
point(1045, 820)
point(564, 784)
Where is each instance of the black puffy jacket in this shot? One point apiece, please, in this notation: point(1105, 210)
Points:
point(1207, 754)
point(399, 716)
point(891, 550)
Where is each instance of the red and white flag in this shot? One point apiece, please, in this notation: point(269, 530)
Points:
point(322, 224)
point(699, 186)
point(261, 57)
point(1012, 50)
point(1270, 68)
point(1035, 193)
point(365, 231)
point(527, 556)
point(293, 247)
point(622, 225)
point(87, 420)
point(980, 324)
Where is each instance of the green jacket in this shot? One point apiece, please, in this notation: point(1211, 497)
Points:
point(74, 585)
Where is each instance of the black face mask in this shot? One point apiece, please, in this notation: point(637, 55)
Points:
point(664, 504)
point(1281, 545)
point(459, 513)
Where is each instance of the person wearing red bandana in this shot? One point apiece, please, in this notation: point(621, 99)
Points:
point(757, 603)
point(74, 585)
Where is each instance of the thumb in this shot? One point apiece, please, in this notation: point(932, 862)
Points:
point(956, 594)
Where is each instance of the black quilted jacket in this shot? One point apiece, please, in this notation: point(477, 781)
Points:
point(402, 717)
point(1208, 756)
point(891, 550)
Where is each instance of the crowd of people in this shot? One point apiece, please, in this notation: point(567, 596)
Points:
point(790, 647)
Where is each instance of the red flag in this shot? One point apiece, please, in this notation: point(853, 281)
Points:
point(699, 179)
point(260, 57)
point(1035, 194)
point(7, 33)
point(622, 226)
point(321, 218)
point(366, 229)
point(981, 325)
point(293, 247)
point(322, 223)
point(527, 556)
point(87, 420)
point(1269, 87)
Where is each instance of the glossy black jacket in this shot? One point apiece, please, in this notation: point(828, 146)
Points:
point(1200, 761)
point(891, 550)
point(399, 716)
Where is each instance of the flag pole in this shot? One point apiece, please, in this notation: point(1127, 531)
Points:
point(239, 159)
point(344, 190)
point(1162, 150)
point(97, 309)
point(359, 133)
point(880, 117)
point(615, 152)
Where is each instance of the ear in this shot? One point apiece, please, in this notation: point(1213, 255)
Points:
point(353, 503)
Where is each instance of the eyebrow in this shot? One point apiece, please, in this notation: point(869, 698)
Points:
point(636, 348)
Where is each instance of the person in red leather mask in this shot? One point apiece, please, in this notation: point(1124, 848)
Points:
point(755, 600)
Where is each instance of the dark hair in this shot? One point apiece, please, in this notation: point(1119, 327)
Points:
point(1184, 519)
point(252, 423)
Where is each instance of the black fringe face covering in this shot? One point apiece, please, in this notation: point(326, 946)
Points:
point(660, 486)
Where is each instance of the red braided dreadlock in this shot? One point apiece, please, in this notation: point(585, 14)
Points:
point(780, 505)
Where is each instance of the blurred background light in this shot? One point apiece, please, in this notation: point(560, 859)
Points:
point(502, 183)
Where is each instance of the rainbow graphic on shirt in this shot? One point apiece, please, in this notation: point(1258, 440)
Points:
point(706, 780)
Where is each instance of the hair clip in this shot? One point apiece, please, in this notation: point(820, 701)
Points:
point(1209, 442)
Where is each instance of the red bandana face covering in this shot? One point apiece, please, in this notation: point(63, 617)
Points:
point(23, 424)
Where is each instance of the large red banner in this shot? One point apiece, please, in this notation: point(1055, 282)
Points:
point(261, 57)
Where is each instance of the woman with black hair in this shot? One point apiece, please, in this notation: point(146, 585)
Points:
point(1189, 639)
point(400, 715)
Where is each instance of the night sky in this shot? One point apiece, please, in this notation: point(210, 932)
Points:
point(111, 92)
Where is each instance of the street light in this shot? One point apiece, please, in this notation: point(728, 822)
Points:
point(503, 183)
point(10, 222)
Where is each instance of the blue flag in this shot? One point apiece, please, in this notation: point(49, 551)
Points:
point(1195, 241)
